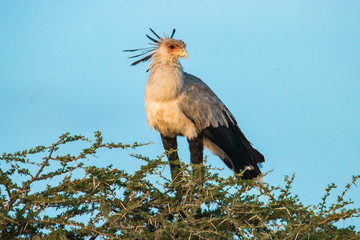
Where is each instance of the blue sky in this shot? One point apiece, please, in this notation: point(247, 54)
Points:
point(288, 70)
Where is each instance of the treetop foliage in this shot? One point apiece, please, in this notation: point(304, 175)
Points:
point(45, 194)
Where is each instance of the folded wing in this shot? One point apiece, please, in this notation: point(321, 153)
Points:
point(219, 128)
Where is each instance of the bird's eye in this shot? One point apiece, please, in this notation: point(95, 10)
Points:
point(171, 46)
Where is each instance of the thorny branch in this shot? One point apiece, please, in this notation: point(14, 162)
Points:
point(118, 205)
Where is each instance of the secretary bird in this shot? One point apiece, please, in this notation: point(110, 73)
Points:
point(178, 103)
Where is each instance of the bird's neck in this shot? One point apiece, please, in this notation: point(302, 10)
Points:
point(166, 80)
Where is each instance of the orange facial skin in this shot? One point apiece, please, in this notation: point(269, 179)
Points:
point(173, 48)
point(176, 50)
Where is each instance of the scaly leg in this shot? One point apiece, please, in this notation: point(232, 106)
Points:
point(170, 144)
point(196, 146)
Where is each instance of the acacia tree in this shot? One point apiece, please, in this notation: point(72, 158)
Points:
point(45, 194)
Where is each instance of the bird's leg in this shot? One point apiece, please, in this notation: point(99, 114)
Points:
point(170, 146)
point(196, 146)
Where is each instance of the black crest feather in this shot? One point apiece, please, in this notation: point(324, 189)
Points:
point(155, 33)
point(156, 41)
point(142, 60)
point(173, 32)
point(134, 50)
point(149, 52)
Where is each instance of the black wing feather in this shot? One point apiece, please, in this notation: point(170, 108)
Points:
point(240, 151)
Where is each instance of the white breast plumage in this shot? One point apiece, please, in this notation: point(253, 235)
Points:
point(164, 86)
point(168, 119)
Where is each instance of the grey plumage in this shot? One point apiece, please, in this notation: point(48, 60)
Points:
point(201, 104)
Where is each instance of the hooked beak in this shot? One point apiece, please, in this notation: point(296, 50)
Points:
point(182, 53)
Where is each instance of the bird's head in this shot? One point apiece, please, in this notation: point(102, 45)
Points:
point(172, 48)
point(164, 49)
